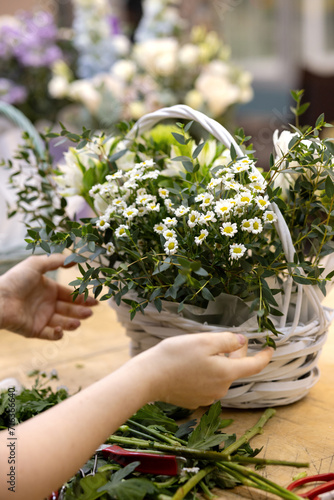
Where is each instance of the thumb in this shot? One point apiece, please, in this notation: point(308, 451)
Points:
point(226, 342)
point(50, 333)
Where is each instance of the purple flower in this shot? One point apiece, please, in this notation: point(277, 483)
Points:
point(12, 93)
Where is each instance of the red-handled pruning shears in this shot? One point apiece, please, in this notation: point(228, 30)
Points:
point(322, 492)
point(150, 462)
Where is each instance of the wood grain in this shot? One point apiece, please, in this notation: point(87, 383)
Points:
point(303, 431)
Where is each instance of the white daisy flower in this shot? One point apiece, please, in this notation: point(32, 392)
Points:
point(258, 187)
point(244, 198)
point(213, 183)
point(256, 225)
point(200, 197)
point(141, 192)
point(242, 165)
point(193, 218)
point(229, 229)
point(169, 233)
point(262, 202)
point(237, 250)
point(142, 211)
point(145, 199)
point(145, 164)
point(222, 207)
point(163, 192)
point(130, 184)
point(116, 175)
point(154, 174)
point(170, 221)
point(238, 211)
point(269, 216)
point(102, 223)
point(159, 228)
point(119, 203)
point(135, 174)
point(95, 190)
point(207, 200)
point(255, 176)
point(130, 213)
point(232, 185)
point(203, 234)
point(246, 225)
point(120, 232)
point(182, 210)
point(207, 217)
point(171, 246)
point(153, 207)
point(169, 205)
point(110, 248)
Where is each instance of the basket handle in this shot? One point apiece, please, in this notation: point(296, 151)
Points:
point(217, 130)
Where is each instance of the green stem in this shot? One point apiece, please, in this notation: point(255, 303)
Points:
point(260, 482)
point(207, 493)
point(253, 431)
point(154, 433)
point(189, 485)
point(213, 456)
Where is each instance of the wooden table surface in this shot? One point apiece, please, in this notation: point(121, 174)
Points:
point(303, 431)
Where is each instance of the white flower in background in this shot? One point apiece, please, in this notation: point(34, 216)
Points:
point(169, 233)
point(116, 175)
point(119, 204)
point(102, 223)
point(224, 159)
point(244, 198)
point(84, 91)
point(70, 182)
point(137, 109)
point(258, 187)
point(207, 217)
point(158, 58)
point(237, 250)
point(193, 218)
point(200, 197)
point(120, 232)
point(110, 248)
point(242, 165)
point(235, 186)
point(179, 212)
point(145, 199)
point(153, 207)
point(171, 246)
point(239, 211)
point(228, 229)
point(202, 236)
point(257, 226)
point(58, 87)
point(170, 221)
point(214, 183)
point(124, 69)
point(153, 174)
point(194, 99)
point(262, 202)
point(269, 216)
point(159, 228)
point(189, 55)
point(142, 211)
point(145, 164)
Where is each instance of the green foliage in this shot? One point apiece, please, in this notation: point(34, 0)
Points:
point(160, 180)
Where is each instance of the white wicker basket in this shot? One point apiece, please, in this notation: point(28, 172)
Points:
point(304, 324)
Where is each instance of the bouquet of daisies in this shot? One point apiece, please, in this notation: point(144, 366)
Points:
point(171, 219)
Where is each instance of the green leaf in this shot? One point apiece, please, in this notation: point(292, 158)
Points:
point(320, 120)
point(198, 150)
point(205, 434)
point(150, 414)
point(180, 139)
point(189, 124)
point(206, 294)
point(329, 187)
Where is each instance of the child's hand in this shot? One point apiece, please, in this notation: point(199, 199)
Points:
point(193, 370)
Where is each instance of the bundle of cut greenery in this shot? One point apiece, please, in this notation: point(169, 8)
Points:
point(214, 459)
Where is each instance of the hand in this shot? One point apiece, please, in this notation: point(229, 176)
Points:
point(34, 305)
point(193, 370)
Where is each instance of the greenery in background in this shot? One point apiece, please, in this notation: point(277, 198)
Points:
point(184, 222)
point(214, 459)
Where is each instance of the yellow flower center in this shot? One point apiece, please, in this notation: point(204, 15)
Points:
point(228, 229)
point(237, 250)
point(171, 245)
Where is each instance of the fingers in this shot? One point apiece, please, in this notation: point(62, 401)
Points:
point(241, 352)
point(50, 333)
point(247, 366)
point(224, 342)
point(72, 310)
point(65, 294)
point(45, 263)
point(64, 322)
